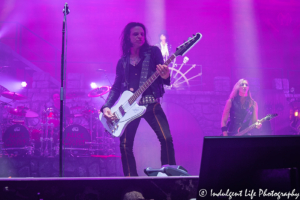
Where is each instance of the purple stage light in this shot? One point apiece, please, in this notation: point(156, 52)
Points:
point(24, 84)
point(93, 85)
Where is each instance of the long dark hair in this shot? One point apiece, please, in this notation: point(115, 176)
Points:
point(125, 39)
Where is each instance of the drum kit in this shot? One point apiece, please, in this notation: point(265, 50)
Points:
point(27, 133)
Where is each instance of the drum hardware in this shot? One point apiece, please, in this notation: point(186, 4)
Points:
point(77, 152)
point(92, 143)
point(50, 116)
point(75, 118)
point(107, 145)
point(56, 149)
point(2, 103)
point(90, 114)
point(16, 151)
point(33, 122)
point(96, 148)
point(43, 140)
point(18, 121)
point(47, 140)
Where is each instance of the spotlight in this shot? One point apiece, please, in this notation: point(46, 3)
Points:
point(24, 84)
point(93, 85)
point(296, 113)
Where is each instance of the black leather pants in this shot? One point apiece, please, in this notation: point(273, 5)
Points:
point(156, 118)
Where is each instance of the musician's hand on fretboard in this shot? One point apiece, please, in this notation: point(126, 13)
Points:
point(258, 124)
point(163, 71)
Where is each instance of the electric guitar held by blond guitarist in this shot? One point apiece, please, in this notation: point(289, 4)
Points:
point(127, 109)
point(246, 130)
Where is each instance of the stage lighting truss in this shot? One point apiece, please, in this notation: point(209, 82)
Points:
point(179, 78)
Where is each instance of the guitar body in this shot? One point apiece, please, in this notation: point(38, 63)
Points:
point(243, 130)
point(132, 112)
point(236, 133)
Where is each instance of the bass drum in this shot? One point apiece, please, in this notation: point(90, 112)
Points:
point(16, 140)
point(76, 140)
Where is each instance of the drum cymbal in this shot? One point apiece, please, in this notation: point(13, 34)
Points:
point(3, 89)
point(72, 95)
point(97, 92)
point(13, 95)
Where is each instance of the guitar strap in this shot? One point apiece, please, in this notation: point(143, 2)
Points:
point(145, 67)
point(126, 71)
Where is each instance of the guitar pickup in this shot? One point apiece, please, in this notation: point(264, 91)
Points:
point(122, 111)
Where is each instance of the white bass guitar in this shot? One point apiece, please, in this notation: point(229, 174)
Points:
point(127, 109)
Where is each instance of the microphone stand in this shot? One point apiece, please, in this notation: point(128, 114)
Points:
point(62, 95)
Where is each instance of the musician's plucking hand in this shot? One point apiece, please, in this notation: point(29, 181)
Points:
point(108, 114)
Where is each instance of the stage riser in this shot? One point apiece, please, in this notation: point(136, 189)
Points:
point(49, 167)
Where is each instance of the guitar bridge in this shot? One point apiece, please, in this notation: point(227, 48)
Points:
point(113, 125)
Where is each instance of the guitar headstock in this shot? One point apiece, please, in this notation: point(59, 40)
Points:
point(185, 47)
point(271, 116)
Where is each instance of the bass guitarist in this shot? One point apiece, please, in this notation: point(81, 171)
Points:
point(241, 109)
point(138, 62)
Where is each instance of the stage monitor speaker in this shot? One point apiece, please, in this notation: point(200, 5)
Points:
point(167, 170)
point(252, 162)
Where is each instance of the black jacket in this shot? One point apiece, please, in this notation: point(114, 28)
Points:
point(120, 84)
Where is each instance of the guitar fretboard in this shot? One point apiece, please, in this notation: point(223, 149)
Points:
point(147, 84)
point(250, 127)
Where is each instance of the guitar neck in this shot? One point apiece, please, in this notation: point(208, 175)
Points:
point(249, 128)
point(147, 84)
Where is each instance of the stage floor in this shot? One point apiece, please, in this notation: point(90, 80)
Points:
point(174, 187)
point(94, 178)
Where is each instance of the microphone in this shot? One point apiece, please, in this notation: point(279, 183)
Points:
point(66, 8)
